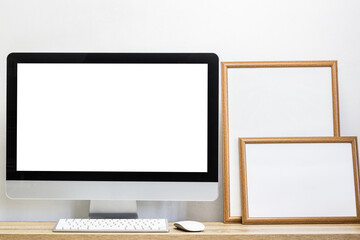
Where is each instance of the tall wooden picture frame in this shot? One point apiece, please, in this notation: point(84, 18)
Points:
point(273, 99)
point(299, 180)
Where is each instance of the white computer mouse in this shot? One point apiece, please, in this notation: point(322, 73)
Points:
point(190, 226)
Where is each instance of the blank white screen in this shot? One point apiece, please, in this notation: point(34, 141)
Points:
point(112, 117)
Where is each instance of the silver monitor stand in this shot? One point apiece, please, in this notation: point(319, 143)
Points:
point(100, 209)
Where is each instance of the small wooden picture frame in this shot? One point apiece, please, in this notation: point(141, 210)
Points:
point(267, 99)
point(299, 180)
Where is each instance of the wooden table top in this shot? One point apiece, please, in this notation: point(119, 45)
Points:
point(214, 230)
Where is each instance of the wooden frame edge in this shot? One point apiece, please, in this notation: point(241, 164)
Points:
point(302, 220)
point(349, 139)
point(280, 64)
point(298, 220)
point(225, 143)
point(335, 98)
point(356, 174)
point(233, 219)
point(243, 182)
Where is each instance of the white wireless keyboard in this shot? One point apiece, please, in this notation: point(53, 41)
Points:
point(112, 225)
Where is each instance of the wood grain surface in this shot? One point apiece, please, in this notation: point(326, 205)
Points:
point(214, 230)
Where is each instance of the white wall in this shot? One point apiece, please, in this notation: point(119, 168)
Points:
point(237, 30)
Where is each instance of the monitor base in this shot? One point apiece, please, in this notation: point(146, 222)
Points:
point(102, 209)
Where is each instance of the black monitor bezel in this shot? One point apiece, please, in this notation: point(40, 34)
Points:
point(213, 108)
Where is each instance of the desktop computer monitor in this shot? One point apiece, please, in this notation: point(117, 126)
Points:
point(112, 126)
